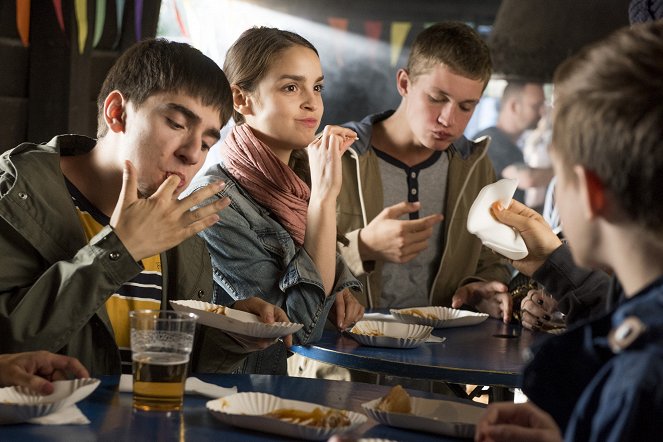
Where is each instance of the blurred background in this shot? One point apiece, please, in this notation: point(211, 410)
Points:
point(55, 54)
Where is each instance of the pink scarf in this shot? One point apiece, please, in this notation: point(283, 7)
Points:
point(267, 179)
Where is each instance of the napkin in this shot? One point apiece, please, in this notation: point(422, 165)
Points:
point(374, 316)
point(66, 416)
point(493, 234)
point(435, 339)
point(192, 385)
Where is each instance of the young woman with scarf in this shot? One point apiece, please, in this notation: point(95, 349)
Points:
point(277, 239)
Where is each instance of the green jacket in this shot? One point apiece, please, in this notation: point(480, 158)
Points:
point(464, 258)
point(54, 283)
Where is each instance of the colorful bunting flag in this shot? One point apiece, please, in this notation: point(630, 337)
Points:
point(57, 5)
point(138, 23)
point(399, 31)
point(80, 7)
point(119, 14)
point(23, 21)
point(373, 30)
point(180, 22)
point(99, 22)
point(340, 24)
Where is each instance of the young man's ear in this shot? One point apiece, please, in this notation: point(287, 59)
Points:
point(403, 82)
point(114, 111)
point(592, 190)
point(242, 101)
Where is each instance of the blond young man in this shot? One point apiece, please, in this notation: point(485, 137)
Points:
point(410, 179)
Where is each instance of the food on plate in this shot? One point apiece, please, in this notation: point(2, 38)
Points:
point(314, 418)
point(218, 309)
point(366, 332)
point(396, 401)
point(419, 313)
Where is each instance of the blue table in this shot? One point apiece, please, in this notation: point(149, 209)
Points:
point(490, 353)
point(113, 419)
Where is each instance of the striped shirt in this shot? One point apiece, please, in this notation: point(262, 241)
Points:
point(142, 292)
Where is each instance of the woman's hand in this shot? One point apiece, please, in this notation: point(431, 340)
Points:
point(324, 155)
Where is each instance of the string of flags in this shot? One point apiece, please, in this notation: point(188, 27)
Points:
point(185, 17)
point(83, 27)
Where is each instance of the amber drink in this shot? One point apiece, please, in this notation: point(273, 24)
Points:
point(161, 343)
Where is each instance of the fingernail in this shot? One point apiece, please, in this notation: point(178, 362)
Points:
point(546, 317)
point(497, 206)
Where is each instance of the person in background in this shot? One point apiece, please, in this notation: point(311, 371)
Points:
point(410, 179)
point(91, 229)
point(521, 107)
point(535, 154)
point(601, 379)
point(277, 240)
point(36, 370)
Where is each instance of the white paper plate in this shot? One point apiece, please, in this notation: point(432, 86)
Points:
point(390, 334)
point(441, 317)
point(18, 404)
point(247, 410)
point(236, 321)
point(492, 233)
point(435, 416)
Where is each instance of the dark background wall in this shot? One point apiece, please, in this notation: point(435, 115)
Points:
point(50, 87)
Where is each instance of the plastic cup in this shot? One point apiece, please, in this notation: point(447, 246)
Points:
point(161, 342)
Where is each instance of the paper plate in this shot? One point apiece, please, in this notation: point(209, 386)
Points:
point(18, 404)
point(390, 334)
point(493, 234)
point(438, 317)
point(248, 410)
point(443, 417)
point(235, 321)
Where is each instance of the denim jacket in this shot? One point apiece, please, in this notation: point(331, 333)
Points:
point(253, 255)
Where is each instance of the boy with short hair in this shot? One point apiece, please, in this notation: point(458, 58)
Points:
point(90, 229)
point(415, 163)
point(602, 380)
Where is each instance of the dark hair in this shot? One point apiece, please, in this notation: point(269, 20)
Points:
point(608, 118)
point(249, 58)
point(454, 44)
point(158, 65)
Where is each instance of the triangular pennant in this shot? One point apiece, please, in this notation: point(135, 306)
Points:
point(57, 5)
point(340, 24)
point(180, 22)
point(138, 23)
point(373, 30)
point(80, 7)
point(119, 11)
point(23, 21)
point(99, 22)
point(399, 31)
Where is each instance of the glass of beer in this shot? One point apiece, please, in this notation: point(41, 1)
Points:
point(161, 343)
